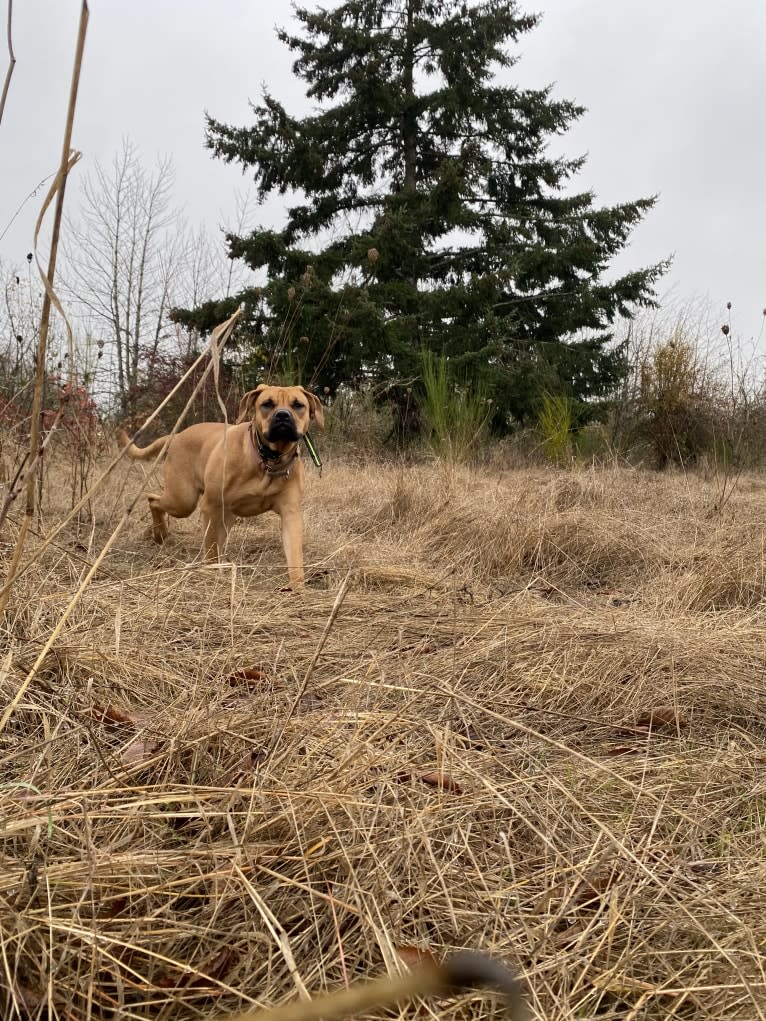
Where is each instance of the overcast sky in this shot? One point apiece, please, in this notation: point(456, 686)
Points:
point(674, 90)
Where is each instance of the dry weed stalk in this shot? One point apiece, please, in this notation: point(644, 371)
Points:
point(11, 61)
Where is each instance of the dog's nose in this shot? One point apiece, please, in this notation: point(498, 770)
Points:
point(281, 414)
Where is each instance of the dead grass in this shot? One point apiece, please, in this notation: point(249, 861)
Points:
point(466, 767)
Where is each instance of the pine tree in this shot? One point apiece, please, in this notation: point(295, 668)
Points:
point(428, 213)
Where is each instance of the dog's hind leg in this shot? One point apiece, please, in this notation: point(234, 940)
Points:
point(159, 518)
point(179, 501)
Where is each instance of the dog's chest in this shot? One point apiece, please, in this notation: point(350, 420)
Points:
point(258, 494)
point(258, 500)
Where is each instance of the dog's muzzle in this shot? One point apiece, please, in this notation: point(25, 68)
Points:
point(282, 427)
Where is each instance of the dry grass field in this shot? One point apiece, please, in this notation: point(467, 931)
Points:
point(533, 723)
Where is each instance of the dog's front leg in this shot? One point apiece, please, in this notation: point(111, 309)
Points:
point(292, 542)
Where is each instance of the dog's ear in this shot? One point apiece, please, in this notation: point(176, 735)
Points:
point(247, 402)
point(315, 408)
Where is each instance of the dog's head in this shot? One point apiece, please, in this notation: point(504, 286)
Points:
point(281, 414)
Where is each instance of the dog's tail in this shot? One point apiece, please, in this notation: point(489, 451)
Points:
point(139, 453)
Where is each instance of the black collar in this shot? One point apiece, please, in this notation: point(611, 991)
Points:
point(272, 461)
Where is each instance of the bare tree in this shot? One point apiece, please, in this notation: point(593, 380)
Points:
point(209, 272)
point(126, 249)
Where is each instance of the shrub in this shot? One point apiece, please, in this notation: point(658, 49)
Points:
point(357, 423)
point(455, 414)
point(555, 420)
point(677, 400)
point(165, 369)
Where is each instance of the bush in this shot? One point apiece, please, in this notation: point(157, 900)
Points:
point(165, 369)
point(677, 403)
point(357, 423)
point(694, 393)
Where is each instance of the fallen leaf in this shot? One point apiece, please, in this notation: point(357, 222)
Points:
point(472, 736)
point(249, 677)
point(245, 765)
point(413, 956)
point(587, 892)
point(440, 779)
point(218, 967)
point(423, 648)
point(594, 888)
point(317, 846)
point(113, 906)
point(622, 986)
point(139, 751)
point(199, 976)
point(209, 972)
point(662, 716)
point(28, 1000)
point(309, 704)
point(114, 716)
point(570, 931)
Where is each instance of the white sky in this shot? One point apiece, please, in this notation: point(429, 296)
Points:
point(674, 89)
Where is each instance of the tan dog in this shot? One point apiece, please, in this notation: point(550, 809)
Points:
point(238, 471)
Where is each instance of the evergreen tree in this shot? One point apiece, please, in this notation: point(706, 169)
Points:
point(428, 213)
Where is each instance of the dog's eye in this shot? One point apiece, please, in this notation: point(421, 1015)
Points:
point(268, 403)
point(298, 405)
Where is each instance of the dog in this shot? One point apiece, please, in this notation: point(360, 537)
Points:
point(239, 470)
